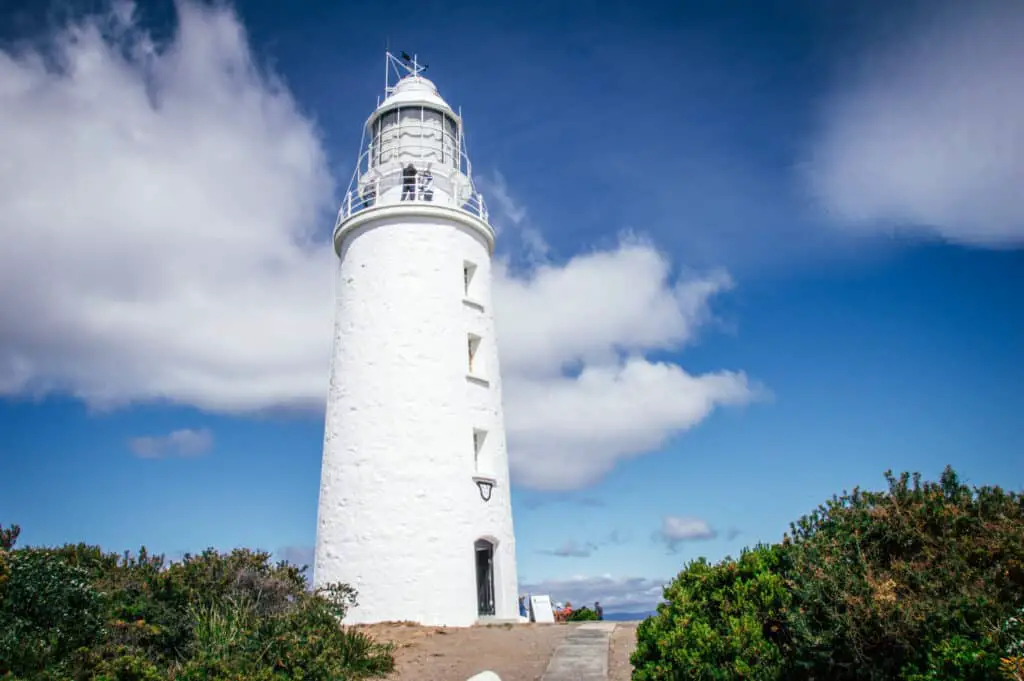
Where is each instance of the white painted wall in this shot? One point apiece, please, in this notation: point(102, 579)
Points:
point(399, 512)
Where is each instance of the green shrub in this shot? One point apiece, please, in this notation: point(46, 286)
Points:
point(718, 622)
point(9, 537)
point(233, 641)
point(221, 630)
point(309, 640)
point(921, 582)
point(213, 616)
point(584, 614)
point(908, 583)
point(1012, 661)
point(48, 610)
point(127, 665)
point(960, 658)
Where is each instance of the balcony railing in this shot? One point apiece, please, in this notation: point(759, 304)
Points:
point(447, 187)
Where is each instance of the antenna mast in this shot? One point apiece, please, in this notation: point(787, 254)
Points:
point(403, 65)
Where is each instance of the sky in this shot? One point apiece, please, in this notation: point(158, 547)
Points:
point(751, 254)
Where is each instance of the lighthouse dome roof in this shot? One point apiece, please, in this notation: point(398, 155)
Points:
point(415, 90)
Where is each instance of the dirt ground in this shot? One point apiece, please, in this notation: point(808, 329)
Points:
point(515, 652)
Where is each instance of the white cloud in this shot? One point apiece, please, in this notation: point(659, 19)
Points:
point(632, 594)
point(678, 529)
point(179, 443)
point(568, 432)
point(539, 500)
point(573, 549)
point(929, 134)
point(156, 210)
point(160, 210)
point(599, 313)
point(597, 305)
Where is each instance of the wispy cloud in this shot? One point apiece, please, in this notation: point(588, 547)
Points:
point(507, 206)
point(176, 444)
point(676, 530)
point(631, 594)
point(617, 537)
point(572, 549)
point(584, 549)
point(534, 501)
point(510, 218)
point(927, 135)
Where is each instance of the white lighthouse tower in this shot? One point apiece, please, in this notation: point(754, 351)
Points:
point(414, 507)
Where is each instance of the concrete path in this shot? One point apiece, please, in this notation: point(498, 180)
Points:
point(583, 656)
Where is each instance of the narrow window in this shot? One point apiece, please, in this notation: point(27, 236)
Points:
point(468, 271)
point(474, 348)
point(478, 446)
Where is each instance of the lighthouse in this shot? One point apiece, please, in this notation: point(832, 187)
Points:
point(414, 510)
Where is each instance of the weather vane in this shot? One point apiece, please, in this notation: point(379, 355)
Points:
point(403, 65)
point(412, 65)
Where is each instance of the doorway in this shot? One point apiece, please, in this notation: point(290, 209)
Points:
point(484, 577)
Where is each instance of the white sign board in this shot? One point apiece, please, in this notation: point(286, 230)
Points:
point(540, 609)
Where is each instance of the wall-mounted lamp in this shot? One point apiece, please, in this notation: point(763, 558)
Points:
point(486, 486)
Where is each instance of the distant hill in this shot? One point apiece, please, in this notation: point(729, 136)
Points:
point(627, 616)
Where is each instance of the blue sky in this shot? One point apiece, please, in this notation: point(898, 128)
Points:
point(819, 196)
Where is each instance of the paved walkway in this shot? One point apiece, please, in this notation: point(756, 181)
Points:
point(583, 656)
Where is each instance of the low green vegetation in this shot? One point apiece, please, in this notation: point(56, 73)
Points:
point(77, 613)
point(583, 614)
point(921, 582)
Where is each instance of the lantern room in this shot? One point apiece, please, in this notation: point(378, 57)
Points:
point(415, 125)
point(413, 149)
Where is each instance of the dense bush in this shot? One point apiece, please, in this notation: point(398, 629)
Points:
point(75, 612)
point(1013, 664)
point(718, 622)
point(913, 582)
point(920, 582)
point(48, 610)
point(583, 614)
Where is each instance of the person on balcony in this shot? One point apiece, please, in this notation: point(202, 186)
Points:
point(427, 185)
point(409, 182)
point(369, 194)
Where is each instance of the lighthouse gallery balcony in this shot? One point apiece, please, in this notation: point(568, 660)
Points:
point(380, 188)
